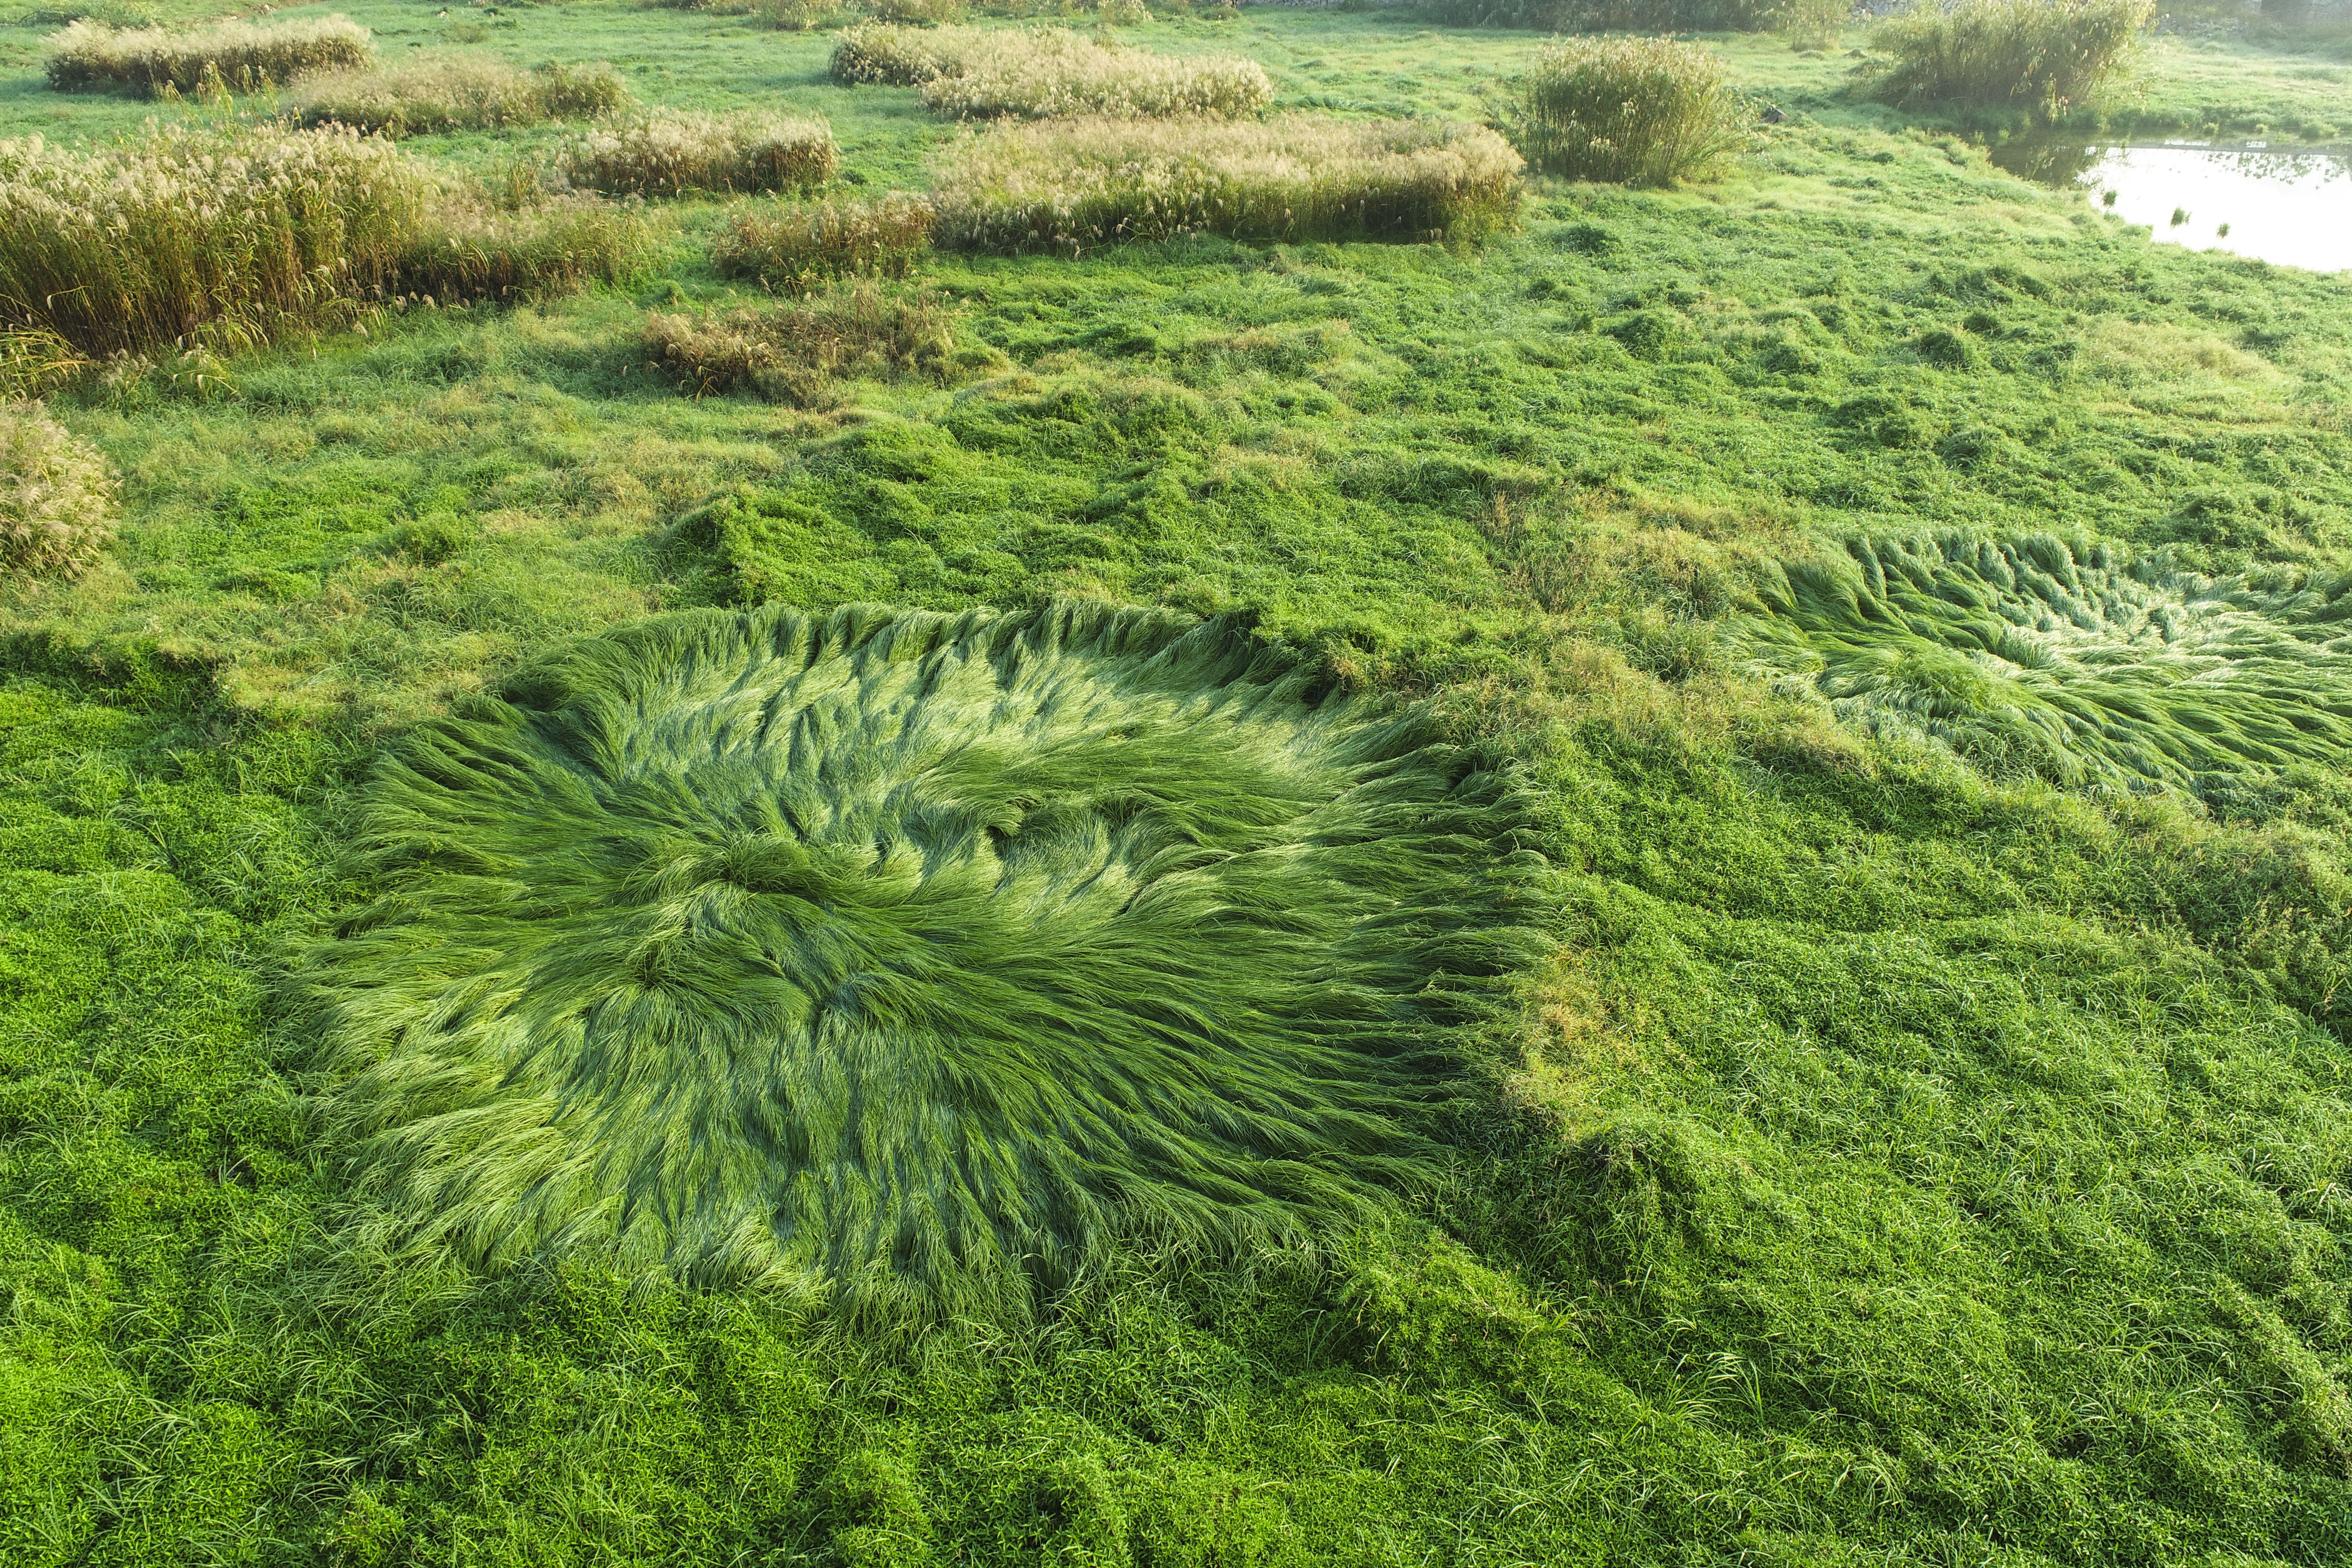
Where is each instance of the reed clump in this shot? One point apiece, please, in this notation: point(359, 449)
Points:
point(1074, 185)
point(794, 249)
point(2047, 56)
point(90, 54)
point(228, 237)
point(794, 352)
point(670, 151)
point(458, 92)
point(907, 962)
point(1645, 112)
point(1043, 73)
point(58, 504)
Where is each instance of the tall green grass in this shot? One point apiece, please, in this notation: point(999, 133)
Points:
point(911, 962)
point(1632, 110)
point(459, 93)
point(2073, 661)
point(58, 502)
point(2047, 56)
point(1076, 185)
point(241, 54)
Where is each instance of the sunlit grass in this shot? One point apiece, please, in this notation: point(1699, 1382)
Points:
point(243, 55)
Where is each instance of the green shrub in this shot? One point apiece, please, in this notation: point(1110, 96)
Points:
point(57, 505)
point(794, 352)
point(230, 237)
point(673, 150)
point(463, 92)
point(909, 961)
point(1072, 186)
point(803, 246)
point(1631, 110)
point(2049, 56)
point(92, 55)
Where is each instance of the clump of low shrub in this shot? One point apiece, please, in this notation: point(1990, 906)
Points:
point(461, 92)
point(90, 54)
point(1629, 110)
point(794, 249)
point(57, 501)
point(1076, 184)
point(793, 352)
point(1043, 73)
point(225, 237)
point(2047, 56)
point(673, 150)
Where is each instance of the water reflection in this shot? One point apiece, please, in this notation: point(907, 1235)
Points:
point(2289, 205)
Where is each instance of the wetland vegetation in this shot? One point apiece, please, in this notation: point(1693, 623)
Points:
point(758, 813)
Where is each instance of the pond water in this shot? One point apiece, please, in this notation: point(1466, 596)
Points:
point(2291, 205)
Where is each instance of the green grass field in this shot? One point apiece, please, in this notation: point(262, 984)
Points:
point(1753, 870)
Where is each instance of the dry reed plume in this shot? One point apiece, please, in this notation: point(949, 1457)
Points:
point(246, 54)
point(228, 237)
point(1072, 186)
point(799, 247)
point(672, 150)
point(461, 92)
point(793, 352)
point(1047, 73)
point(58, 502)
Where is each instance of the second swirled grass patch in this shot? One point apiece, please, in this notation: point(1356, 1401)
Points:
point(916, 960)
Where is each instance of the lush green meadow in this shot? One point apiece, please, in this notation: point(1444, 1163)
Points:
point(1916, 1127)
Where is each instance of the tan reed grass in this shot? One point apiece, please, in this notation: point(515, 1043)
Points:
point(671, 151)
point(458, 92)
point(799, 247)
point(88, 54)
point(58, 497)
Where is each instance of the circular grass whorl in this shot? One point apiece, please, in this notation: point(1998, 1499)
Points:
point(911, 960)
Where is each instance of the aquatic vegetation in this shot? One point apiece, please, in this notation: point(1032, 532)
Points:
point(909, 959)
point(2078, 662)
point(90, 54)
point(1633, 111)
point(58, 502)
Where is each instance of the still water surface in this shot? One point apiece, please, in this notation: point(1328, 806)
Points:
point(2291, 206)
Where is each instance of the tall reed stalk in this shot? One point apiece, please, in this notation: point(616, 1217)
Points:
point(2047, 56)
point(1630, 111)
point(241, 54)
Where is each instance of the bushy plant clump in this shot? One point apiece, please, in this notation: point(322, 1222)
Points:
point(90, 54)
point(881, 55)
point(1075, 186)
point(673, 150)
point(804, 246)
point(1633, 110)
point(793, 352)
point(58, 500)
point(1041, 73)
point(461, 92)
point(907, 960)
point(2071, 661)
point(2047, 56)
point(232, 236)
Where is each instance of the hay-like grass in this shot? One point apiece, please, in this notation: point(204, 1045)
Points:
point(1631, 110)
point(804, 246)
point(671, 152)
point(58, 497)
point(912, 961)
point(2070, 661)
point(793, 352)
point(1048, 73)
point(458, 92)
point(1074, 185)
point(88, 54)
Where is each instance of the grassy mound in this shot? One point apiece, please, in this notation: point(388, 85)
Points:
point(57, 503)
point(803, 246)
point(460, 93)
point(2073, 662)
point(910, 958)
point(1633, 111)
point(1075, 186)
point(670, 151)
point(90, 54)
point(795, 353)
point(2045, 55)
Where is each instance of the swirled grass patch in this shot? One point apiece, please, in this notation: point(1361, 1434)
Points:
point(2074, 661)
point(915, 961)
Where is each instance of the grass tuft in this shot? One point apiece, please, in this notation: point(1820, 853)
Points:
point(1647, 112)
point(804, 246)
point(672, 150)
point(794, 352)
point(913, 962)
point(58, 500)
point(460, 93)
point(1075, 186)
point(1045, 73)
point(90, 54)
point(2048, 57)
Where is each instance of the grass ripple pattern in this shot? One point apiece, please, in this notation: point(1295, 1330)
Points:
point(917, 960)
point(2073, 661)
